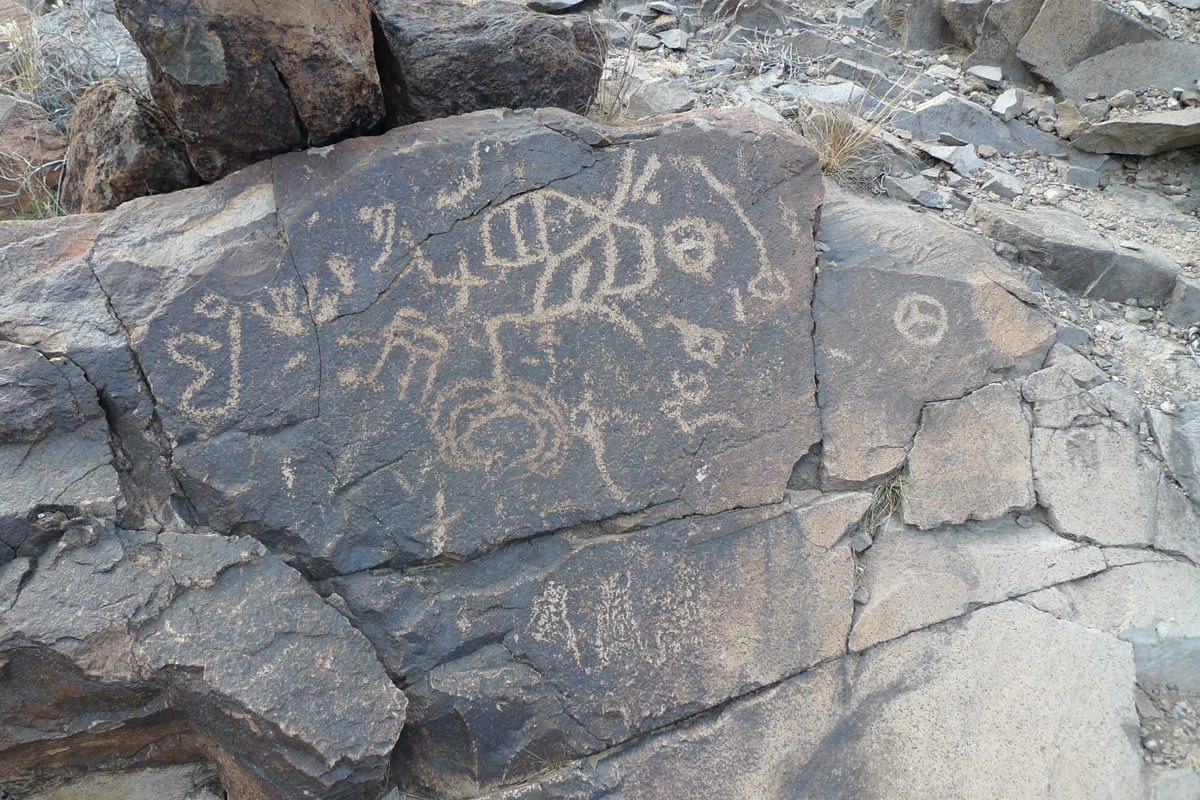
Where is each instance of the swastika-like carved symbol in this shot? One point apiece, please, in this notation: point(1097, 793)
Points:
point(921, 319)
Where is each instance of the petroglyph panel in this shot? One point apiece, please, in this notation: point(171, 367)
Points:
point(465, 331)
point(622, 634)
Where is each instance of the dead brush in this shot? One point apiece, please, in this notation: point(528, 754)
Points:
point(31, 190)
point(614, 92)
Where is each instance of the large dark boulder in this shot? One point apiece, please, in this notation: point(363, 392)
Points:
point(122, 147)
point(439, 58)
point(245, 80)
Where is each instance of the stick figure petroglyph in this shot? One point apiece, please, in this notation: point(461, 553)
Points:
point(407, 333)
point(920, 319)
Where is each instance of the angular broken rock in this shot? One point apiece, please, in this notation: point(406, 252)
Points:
point(1179, 438)
point(971, 122)
point(122, 147)
point(569, 644)
point(1076, 258)
point(1095, 483)
point(909, 720)
point(439, 58)
point(970, 460)
point(1004, 24)
point(55, 460)
point(1068, 32)
point(909, 310)
point(1141, 65)
point(456, 334)
point(136, 627)
point(244, 80)
point(917, 578)
point(1145, 134)
point(1155, 606)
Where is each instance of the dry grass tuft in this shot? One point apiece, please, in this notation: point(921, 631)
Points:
point(886, 500)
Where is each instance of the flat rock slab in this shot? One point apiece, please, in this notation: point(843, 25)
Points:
point(982, 707)
point(1095, 483)
point(1076, 258)
point(216, 628)
point(572, 643)
point(909, 310)
point(1068, 32)
point(1155, 606)
point(1141, 65)
point(1144, 134)
point(970, 460)
point(459, 333)
point(918, 578)
point(244, 80)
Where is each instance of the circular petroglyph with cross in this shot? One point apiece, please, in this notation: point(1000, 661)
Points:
point(921, 319)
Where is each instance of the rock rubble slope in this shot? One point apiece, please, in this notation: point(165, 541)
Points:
point(515, 454)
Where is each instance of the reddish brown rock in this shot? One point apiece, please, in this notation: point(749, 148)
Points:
point(246, 80)
point(122, 146)
point(31, 156)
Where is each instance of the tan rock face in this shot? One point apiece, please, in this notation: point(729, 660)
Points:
point(970, 460)
point(917, 578)
point(964, 709)
point(1095, 483)
point(31, 156)
point(122, 147)
point(909, 310)
point(245, 80)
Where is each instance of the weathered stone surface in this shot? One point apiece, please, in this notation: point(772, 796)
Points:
point(1144, 134)
point(569, 644)
point(965, 18)
point(29, 146)
point(970, 460)
point(551, 354)
point(978, 708)
point(55, 460)
point(1155, 606)
point(1141, 65)
point(122, 147)
point(245, 80)
point(1183, 309)
point(137, 624)
point(1059, 401)
point(909, 310)
point(1179, 438)
point(439, 59)
point(1004, 24)
point(1068, 32)
point(918, 578)
point(1095, 483)
point(971, 122)
point(182, 782)
point(924, 26)
point(1076, 258)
